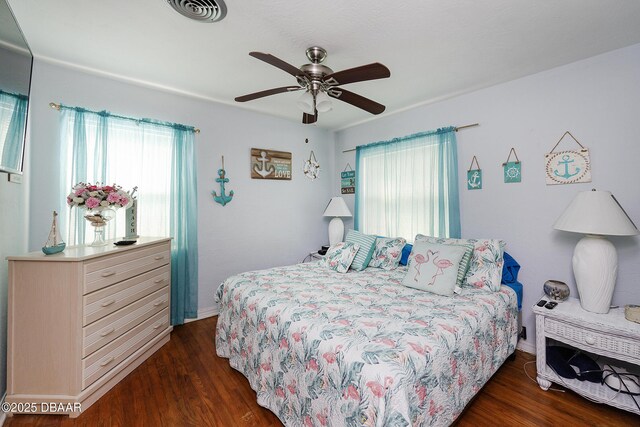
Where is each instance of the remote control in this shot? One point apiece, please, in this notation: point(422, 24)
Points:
point(541, 303)
point(551, 305)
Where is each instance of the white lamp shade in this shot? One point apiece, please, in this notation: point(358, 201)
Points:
point(305, 103)
point(596, 212)
point(323, 102)
point(337, 207)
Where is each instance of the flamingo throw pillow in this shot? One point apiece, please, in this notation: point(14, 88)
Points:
point(433, 267)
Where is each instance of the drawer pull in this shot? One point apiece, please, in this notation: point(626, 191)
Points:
point(159, 303)
point(159, 257)
point(108, 303)
point(159, 280)
point(107, 361)
point(590, 340)
point(110, 331)
point(108, 273)
point(159, 325)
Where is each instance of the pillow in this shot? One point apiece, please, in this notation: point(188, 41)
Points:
point(387, 253)
point(367, 244)
point(434, 267)
point(485, 269)
point(340, 256)
point(485, 265)
point(406, 251)
point(466, 259)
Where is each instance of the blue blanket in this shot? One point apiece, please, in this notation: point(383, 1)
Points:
point(510, 276)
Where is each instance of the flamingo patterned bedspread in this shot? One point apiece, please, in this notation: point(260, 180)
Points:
point(322, 348)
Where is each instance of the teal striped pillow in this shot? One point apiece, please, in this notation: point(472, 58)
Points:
point(367, 244)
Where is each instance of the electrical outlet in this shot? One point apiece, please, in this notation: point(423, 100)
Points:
point(15, 178)
point(523, 334)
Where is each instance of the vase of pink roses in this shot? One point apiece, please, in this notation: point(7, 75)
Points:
point(100, 201)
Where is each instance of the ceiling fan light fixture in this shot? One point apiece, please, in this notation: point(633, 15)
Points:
point(305, 103)
point(323, 102)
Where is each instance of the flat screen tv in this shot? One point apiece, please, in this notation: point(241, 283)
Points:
point(16, 61)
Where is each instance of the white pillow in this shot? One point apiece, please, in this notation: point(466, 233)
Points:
point(433, 267)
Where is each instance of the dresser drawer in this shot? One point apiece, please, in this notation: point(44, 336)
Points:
point(105, 272)
point(586, 338)
point(107, 329)
point(106, 301)
point(109, 356)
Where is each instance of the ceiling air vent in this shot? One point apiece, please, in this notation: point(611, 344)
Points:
point(200, 10)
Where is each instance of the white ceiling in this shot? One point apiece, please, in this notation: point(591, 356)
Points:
point(434, 48)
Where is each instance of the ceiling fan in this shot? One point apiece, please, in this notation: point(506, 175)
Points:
point(320, 83)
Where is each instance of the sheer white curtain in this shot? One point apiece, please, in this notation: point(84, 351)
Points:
point(138, 154)
point(408, 186)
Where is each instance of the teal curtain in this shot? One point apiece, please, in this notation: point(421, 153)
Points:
point(14, 108)
point(184, 208)
point(157, 157)
point(409, 185)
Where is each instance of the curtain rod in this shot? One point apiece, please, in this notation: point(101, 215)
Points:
point(456, 129)
point(59, 107)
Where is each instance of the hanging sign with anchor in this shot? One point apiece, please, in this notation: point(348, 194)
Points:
point(223, 198)
point(474, 176)
point(270, 164)
point(567, 167)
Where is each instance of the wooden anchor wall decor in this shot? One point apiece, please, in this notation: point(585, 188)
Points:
point(223, 199)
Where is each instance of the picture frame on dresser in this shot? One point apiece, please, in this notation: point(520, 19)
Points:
point(610, 338)
point(81, 320)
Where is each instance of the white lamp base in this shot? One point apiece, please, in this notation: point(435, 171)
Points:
point(595, 267)
point(336, 231)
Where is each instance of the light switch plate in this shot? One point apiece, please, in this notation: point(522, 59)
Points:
point(15, 178)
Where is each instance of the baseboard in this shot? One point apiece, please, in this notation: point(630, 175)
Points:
point(527, 347)
point(3, 415)
point(204, 313)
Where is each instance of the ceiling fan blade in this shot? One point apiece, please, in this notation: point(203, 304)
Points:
point(277, 62)
point(356, 100)
point(267, 92)
point(308, 119)
point(358, 74)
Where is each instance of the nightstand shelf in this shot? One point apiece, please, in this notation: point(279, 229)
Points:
point(313, 256)
point(608, 335)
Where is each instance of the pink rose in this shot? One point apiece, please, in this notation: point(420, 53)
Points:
point(124, 201)
point(113, 198)
point(92, 202)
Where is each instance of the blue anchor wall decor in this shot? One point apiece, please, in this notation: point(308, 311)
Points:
point(223, 199)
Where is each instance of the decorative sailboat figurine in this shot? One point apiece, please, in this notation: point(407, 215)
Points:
point(54, 243)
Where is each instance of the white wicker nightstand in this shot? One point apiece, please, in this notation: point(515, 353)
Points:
point(609, 335)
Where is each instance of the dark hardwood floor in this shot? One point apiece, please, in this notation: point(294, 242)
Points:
point(186, 384)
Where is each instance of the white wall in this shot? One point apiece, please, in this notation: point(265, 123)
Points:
point(268, 223)
point(598, 100)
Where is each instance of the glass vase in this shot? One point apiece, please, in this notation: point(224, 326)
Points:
point(98, 218)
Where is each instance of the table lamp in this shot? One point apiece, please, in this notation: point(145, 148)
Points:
point(336, 208)
point(595, 260)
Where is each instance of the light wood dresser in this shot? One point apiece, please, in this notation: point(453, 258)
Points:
point(81, 320)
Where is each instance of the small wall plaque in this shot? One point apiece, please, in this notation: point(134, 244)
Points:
point(474, 176)
point(270, 164)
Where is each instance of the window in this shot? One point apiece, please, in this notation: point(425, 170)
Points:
point(408, 186)
point(124, 152)
point(158, 158)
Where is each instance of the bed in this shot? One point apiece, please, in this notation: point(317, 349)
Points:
point(321, 348)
